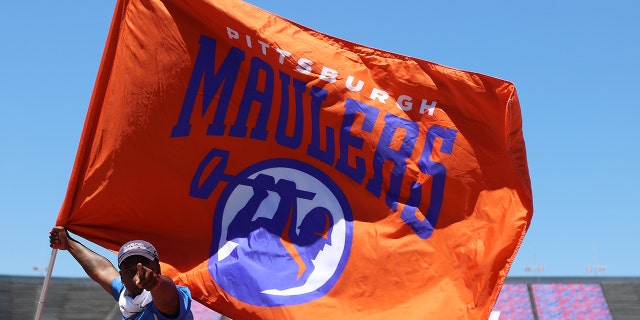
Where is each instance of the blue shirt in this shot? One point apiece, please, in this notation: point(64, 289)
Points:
point(150, 312)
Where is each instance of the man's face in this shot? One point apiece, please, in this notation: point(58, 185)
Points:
point(129, 272)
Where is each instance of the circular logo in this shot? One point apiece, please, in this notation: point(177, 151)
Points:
point(282, 234)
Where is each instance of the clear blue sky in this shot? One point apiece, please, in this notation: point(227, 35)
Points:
point(575, 64)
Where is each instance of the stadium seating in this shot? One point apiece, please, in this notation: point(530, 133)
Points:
point(623, 298)
point(521, 298)
point(570, 301)
point(589, 298)
point(514, 303)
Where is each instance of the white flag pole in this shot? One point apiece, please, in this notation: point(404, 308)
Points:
point(45, 285)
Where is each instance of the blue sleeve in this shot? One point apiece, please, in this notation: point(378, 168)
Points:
point(116, 287)
point(185, 306)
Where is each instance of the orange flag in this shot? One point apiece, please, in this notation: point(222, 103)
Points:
point(287, 174)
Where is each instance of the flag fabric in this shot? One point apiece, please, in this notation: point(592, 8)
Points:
point(283, 173)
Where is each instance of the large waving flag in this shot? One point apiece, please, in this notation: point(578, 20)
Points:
point(287, 174)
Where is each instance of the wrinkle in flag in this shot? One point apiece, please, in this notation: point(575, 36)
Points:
point(286, 174)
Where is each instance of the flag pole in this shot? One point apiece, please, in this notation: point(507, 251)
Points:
point(45, 285)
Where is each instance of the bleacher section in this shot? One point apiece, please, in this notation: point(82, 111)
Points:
point(513, 302)
point(589, 298)
point(522, 298)
point(623, 299)
point(570, 301)
point(67, 298)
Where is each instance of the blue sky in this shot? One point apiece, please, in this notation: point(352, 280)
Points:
point(574, 63)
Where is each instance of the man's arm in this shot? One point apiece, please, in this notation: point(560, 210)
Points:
point(96, 266)
point(162, 288)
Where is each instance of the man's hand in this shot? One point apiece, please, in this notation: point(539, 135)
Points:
point(59, 238)
point(146, 278)
point(164, 291)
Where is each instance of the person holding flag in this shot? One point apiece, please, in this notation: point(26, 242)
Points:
point(139, 287)
point(298, 173)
